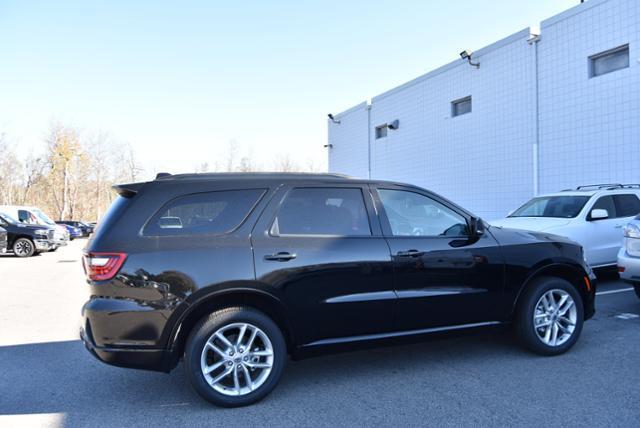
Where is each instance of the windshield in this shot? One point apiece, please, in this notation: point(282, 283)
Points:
point(552, 206)
point(8, 218)
point(42, 216)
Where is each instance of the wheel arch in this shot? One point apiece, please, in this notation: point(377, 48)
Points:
point(574, 275)
point(219, 299)
point(16, 237)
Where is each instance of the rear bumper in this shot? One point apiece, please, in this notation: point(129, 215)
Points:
point(133, 358)
point(126, 333)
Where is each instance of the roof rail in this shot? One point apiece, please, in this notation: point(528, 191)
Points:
point(162, 174)
point(604, 187)
point(601, 186)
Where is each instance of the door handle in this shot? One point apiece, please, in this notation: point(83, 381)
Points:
point(282, 256)
point(619, 226)
point(410, 253)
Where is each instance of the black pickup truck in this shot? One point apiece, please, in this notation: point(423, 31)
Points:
point(25, 240)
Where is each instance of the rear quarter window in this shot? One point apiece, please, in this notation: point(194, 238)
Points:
point(210, 213)
point(627, 205)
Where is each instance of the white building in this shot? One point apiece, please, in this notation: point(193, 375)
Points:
point(547, 110)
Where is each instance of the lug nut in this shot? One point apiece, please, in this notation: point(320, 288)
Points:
point(241, 350)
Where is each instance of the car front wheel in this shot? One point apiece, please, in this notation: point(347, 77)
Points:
point(550, 316)
point(235, 357)
point(23, 247)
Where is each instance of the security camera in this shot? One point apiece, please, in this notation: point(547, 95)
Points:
point(465, 54)
point(330, 116)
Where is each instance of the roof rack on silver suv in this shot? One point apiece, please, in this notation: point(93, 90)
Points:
point(611, 186)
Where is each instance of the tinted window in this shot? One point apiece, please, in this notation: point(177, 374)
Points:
point(627, 205)
point(460, 107)
point(381, 131)
point(605, 203)
point(552, 206)
point(606, 62)
point(323, 211)
point(203, 213)
point(412, 214)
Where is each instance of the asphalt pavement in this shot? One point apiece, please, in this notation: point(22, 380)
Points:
point(480, 379)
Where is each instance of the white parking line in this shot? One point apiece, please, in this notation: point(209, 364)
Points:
point(621, 290)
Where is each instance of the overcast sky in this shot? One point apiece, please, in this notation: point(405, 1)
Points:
point(179, 80)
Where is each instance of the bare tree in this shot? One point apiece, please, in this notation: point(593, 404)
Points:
point(283, 163)
point(63, 153)
point(10, 171)
point(33, 174)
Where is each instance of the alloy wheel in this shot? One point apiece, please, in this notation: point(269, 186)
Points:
point(23, 248)
point(555, 317)
point(237, 359)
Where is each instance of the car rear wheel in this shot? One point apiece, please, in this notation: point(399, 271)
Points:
point(235, 357)
point(23, 247)
point(550, 316)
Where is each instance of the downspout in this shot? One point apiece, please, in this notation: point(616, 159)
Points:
point(369, 140)
point(536, 145)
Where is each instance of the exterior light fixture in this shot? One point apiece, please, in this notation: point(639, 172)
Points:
point(465, 54)
point(332, 119)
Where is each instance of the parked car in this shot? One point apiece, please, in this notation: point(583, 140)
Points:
point(35, 216)
point(629, 255)
point(85, 228)
point(3, 240)
point(592, 216)
point(26, 240)
point(74, 232)
point(264, 265)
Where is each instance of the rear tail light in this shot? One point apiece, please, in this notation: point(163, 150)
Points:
point(102, 266)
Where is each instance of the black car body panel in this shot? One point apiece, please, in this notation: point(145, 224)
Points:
point(321, 290)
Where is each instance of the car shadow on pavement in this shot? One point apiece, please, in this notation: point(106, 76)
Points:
point(62, 377)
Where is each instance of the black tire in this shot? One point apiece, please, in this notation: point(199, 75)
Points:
point(24, 247)
point(54, 248)
point(206, 328)
point(524, 322)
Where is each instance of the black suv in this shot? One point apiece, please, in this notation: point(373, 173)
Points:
point(232, 272)
point(26, 240)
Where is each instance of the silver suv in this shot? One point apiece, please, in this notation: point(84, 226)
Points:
point(629, 255)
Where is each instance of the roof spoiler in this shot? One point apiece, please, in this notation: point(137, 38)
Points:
point(128, 190)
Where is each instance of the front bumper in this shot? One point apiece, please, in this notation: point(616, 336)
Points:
point(43, 244)
point(631, 265)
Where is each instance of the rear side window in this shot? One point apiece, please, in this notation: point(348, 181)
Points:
point(627, 205)
point(203, 213)
point(605, 203)
point(322, 211)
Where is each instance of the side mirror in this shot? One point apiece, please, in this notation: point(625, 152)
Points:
point(476, 226)
point(599, 214)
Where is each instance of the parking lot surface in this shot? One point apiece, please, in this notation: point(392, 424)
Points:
point(481, 379)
